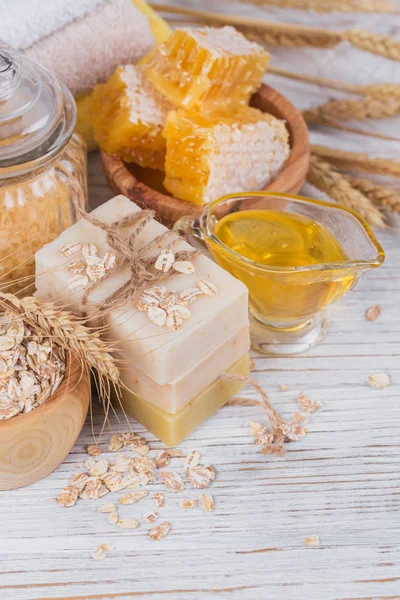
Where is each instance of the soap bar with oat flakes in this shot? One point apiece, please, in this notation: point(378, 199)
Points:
point(161, 353)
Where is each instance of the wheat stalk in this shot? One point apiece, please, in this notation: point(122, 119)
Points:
point(326, 6)
point(68, 331)
point(357, 161)
point(373, 42)
point(370, 107)
point(286, 34)
point(383, 90)
point(385, 198)
point(324, 177)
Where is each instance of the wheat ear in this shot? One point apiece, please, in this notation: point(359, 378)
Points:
point(325, 177)
point(370, 107)
point(286, 34)
point(383, 197)
point(327, 6)
point(68, 331)
point(357, 161)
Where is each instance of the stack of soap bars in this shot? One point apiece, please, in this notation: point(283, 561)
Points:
point(175, 340)
point(184, 109)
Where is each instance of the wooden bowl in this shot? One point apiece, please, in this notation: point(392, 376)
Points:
point(144, 186)
point(34, 444)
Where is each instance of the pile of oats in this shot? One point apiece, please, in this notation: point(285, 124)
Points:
point(168, 308)
point(87, 266)
point(31, 367)
point(131, 471)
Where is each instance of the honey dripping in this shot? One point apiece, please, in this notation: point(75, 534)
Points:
point(285, 242)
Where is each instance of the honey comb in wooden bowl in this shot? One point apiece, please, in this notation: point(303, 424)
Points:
point(144, 186)
point(32, 445)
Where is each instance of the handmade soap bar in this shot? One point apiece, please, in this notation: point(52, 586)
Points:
point(161, 353)
point(172, 429)
point(128, 115)
point(209, 156)
point(211, 67)
point(173, 396)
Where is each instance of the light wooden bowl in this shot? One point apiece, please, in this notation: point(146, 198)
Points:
point(34, 444)
point(144, 186)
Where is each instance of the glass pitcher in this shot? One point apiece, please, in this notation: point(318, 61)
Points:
point(42, 165)
point(286, 303)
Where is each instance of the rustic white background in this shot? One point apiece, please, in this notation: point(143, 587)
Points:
point(340, 482)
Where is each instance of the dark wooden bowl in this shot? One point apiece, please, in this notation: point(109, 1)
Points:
point(144, 186)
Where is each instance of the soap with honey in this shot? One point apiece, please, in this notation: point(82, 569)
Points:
point(219, 153)
point(128, 116)
point(208, 67)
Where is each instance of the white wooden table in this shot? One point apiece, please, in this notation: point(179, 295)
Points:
point(340, 482)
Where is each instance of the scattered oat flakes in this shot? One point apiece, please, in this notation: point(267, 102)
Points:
point(133, 497)
point(93, 490)
point(89, 462)
point(99, 468)
point(159, 531)
point(172, 481)
point(207, 502)
point(79, 480)
point(164, 261)
point(200, 476)
point(173, 321)
point(93, 450)
point(184, 266)
point(255, 427)
point(284, 387)
point(77, 267)
point(373, 312)
point(112, 517)
point(157, 315)
point(188, 296)
point(107, 508)
point(68, 496)
point(115, 443)
point(112, 479)
point(162, 459)
point(188, 503)
point(127, 523)
point(192, 460)
point(124, 463)
point(141, 450)
point(312, 540)
point(144, 464)
point(159, 499)
point(207, 287)
point(292, 431)
point(264, 437)
point(99, 553)
point(308, 405)
point(379, 380)
point(299, 418)
point(151, 517)
point(70, 249)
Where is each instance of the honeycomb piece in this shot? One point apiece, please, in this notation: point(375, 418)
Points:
point(128, 118)
point(211, 67)
point(214, 154)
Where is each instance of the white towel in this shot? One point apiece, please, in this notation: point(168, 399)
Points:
point(24, 22)
point(88, 50)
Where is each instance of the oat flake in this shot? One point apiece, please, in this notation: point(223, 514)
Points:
point(93, 450)
point(159, 531)
point(187, 504)
point(379, 380)
point(192, 460)
point(207, 502)
point(373, 312)
point(127, 523)
point(133, 497)
point(151, 517)
point(159, 499)
point(172, 481)
point(312, 540)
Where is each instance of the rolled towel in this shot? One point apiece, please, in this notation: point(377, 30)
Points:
point(24, 22)
point(87, 51)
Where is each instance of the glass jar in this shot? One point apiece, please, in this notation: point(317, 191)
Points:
point(42, 166)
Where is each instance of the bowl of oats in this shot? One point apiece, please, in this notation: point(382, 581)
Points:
point(44, 399)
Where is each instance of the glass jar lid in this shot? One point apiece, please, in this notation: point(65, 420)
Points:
point(37, 113)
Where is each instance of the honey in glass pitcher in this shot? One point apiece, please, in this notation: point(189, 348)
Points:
point(295, 255)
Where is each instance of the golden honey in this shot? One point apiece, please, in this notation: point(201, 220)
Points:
point(283, 244)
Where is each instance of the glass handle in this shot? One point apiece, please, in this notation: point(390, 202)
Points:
point(189, 228)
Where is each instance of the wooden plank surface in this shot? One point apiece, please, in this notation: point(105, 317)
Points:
point(340, 482)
